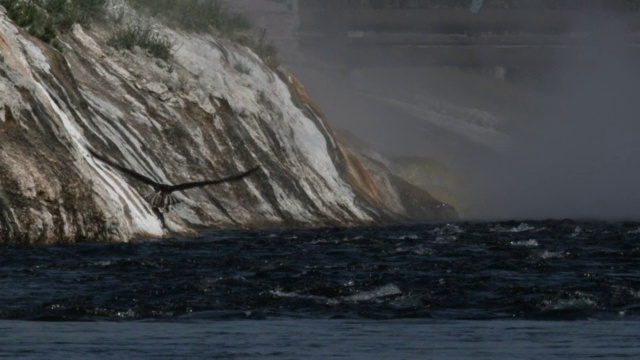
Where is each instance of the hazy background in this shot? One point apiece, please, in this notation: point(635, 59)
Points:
point(580, 156)
point(561, 142)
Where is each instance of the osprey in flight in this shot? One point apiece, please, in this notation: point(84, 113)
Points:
point(161, 199)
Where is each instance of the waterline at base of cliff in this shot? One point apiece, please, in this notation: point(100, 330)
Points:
point(213, 109)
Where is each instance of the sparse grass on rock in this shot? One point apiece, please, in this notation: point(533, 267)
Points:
point(210, 16)
point(195, 15)
point(154, 42)
point(266, 50)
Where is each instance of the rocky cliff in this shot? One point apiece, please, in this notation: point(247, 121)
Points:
point(211, 110)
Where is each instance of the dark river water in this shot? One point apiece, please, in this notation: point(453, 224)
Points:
point(560, 289)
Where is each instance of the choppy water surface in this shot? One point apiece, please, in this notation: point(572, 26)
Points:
point(418, 279)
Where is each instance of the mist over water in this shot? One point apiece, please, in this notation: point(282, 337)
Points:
point(573, 145)
point(575, 158)
point(580, 159)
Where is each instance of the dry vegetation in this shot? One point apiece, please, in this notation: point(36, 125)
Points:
point(48, 19)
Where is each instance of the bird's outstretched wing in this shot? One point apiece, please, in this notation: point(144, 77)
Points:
point(195, 184)
point(124, 170)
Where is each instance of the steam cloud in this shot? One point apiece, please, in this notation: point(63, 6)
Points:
point(582, 160)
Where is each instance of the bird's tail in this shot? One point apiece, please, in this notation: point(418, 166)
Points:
point(161, 201)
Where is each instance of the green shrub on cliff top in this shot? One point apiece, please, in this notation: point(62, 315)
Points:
point(46, 19)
